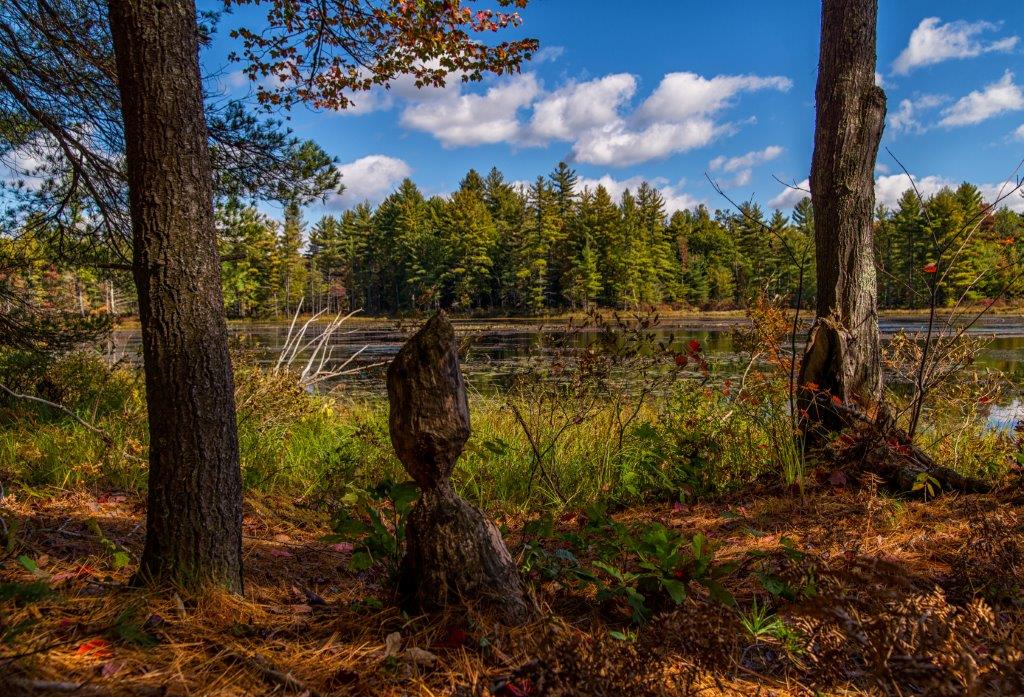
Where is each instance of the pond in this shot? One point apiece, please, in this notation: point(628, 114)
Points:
point(499, 348)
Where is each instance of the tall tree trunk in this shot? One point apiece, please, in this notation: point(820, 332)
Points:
point(842, 363)
point(194, 520)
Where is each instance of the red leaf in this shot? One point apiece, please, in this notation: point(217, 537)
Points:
point(681, 360)
point(837, 400)
point(694, 346)
point(96, 648)
point(930, 267)
point(455, 638)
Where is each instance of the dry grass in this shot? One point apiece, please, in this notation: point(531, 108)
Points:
point(911, 598)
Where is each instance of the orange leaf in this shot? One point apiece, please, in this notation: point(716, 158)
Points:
point(96, 648)
point(930, 267)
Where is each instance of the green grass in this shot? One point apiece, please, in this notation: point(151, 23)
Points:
point(693, 441)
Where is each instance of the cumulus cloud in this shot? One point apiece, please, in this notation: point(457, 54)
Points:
point(751, 159)
point(743, 166)
point(933, 42)
point(621, 146)
point(890, 188)
point(676, 117)
point(1007, 193)
point(594, 116)
point(458, 119)
point(906, 118)
point(791, 195)
point(676, 199)
point(567, 111)
point(1019, 133)
point(369, 178)
point(25, 167)
point(684, 95)
point(997, 98)
point(548, 54)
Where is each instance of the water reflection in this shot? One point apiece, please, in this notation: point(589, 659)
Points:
point(497, 349)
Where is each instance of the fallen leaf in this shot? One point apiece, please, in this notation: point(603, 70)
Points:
point(455, 638)
point(283, 553)
point(95, 648)
point(392, 644)
point(343, 547)
point(110, 668)
point(419, 656)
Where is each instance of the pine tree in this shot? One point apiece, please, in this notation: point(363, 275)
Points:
point(292, 268)
point(561, 254)
point(468, 236)
point(659, 267)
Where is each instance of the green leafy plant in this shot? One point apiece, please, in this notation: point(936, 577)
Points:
point(119, 556)
point(374, 521)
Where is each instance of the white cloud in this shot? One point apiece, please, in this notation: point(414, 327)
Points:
point(1019, 133)
point(751, 159)
point(548, 54)
point(791, 195)
point(675, 118)
point(743, 166)
point(676, 199)
point(994, 99)
point(369, 178)
point(906, 118)
point(620, 146)
point(575, 107)
point(933, 42)
point(1006, 193)
point(458, 119)
point(684, 95)
point(25, 166)
point(890, 188)
point(594, 115)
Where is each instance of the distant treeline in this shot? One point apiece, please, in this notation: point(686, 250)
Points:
point(494, 246)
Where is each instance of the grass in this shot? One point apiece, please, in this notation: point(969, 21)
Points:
point(843, 589)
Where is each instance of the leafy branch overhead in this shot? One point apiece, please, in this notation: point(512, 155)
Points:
point(322, 52)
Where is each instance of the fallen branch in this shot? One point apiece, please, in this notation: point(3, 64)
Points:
point(271, 673)
point(39, 400)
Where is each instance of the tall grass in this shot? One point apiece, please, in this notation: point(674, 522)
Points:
point(698, 438)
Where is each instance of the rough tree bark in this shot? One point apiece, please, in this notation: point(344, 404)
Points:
point(194, 519)
point(842, 361)
point(454, 555)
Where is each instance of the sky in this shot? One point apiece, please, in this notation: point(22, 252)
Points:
point(668, 91)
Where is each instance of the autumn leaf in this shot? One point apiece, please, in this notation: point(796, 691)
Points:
point(930, 267)
point(95, 648)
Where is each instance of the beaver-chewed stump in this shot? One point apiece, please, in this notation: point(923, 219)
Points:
point(454, 555)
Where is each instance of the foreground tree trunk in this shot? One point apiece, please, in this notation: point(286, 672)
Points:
point(454, 555)
point(194, 519)
point(842, 363)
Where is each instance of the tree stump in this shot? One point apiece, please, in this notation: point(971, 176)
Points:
point(454, 555)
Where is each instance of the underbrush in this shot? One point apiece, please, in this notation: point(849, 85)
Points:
point(545, 445)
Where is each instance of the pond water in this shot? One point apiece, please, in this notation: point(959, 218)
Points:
point(499, 348)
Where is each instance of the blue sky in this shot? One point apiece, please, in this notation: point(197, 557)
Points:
point(669, 90)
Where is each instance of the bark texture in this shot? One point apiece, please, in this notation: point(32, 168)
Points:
point(194, 519)
point(454, 555)
point(843, 356)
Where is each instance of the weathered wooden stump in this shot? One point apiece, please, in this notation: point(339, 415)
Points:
point(454, 555)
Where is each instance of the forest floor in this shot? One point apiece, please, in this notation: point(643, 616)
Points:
point(841, 591)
